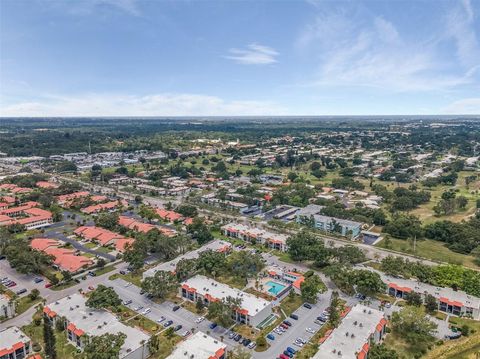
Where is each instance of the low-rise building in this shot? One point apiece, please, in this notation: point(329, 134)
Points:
point(253, 310)
point(14, 344)
point(254, 235)
point(81, 323)
point(27, 214)
point(199, 346)
point(361, 327)
point(454, 302)
point(7, 306)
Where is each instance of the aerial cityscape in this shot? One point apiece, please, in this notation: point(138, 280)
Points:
point(234, 180)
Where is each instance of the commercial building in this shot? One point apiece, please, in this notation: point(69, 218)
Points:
point(253, 310)
point(7, 306)
point(14, 344)
point(82, 322)
point(454, 302)
point(256, 235)
point(361, 327)
point(216, 245)
point(199, 346)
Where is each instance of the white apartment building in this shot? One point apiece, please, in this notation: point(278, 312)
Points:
point(82, 322)
point(14, 344)
point(253, 309)
point(353, 337)
point(199, 346)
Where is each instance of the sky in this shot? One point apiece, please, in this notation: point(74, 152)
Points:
point(227, 58)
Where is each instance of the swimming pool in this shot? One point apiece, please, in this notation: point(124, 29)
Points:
point(275, 287)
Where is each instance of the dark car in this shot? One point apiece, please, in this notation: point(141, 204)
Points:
point(246, 342)
point(286, 322)
point(167, 324)
point(21, 291)
point(294, 316)
point(175, 308)
point(288, 354)
point(238, 337)
point(38, 280)
point(213, 325)
point(123, 272)
point(177, 328)
point(307, 305)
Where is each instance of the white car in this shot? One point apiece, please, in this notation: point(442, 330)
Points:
point(161, 319)
point(199, 319)
point(138, 308)
point(310, 330)
point(146, 311)
point(127, 285)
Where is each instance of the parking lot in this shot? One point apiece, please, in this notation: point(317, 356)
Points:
point(24, 281)
point(306, 319)
point(127, 291)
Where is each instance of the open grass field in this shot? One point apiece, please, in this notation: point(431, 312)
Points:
point(430, 249)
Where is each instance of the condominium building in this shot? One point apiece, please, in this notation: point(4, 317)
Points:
point(14, 344)
point(199, 346)
point(454, 302)
point(361, 327)
point(253, 310)
point(82, 322)
point(256, 235)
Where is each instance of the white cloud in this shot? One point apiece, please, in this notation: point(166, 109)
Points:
point(254, 54)
point(164, 104)
point(467, 106)
point(356, 47)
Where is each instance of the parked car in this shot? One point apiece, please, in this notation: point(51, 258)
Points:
point(307, 305)
point(288, 354)
point(283, 356)
point(232, 335)
point(127, 302)
point(137, 309)
point(294, 316)
point(238, 337)
point(271, 336)
point(175, 308)
point(161, 319)
point(252, 345)
point(186, 333)
point(38, 280)
point(48, 285)
point(123, 272)
point(213, 325)
point(178, 327)
point(146, 311)
point(199, 319)
point(21, 291)
point(11, 284)
point(286, 322)
point(291, 350)
point(167, 324)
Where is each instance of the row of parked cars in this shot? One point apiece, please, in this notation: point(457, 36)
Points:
point(240, 339)
point(7, 282)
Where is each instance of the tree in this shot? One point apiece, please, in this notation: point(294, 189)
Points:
point(107, 220)
point(413, 298)
point(368, 282)
point(67, 276)
point(187, 210)
point(211, 263)
point(380, 351)
point(103, 297)
point(430, 303)
point(136, 253)
point(34, 294)
point(334, 309)
point(185, 269)
point(300, 244)
point(245, 265)
point(199, 305)
point(161, 284)
point(412, 324)
point(154, 344)
point(199, 231)
point(261, 342)
point(310, 288)
point(106, 346)
point(349, 254)
point(49, 340)
point(221, 311)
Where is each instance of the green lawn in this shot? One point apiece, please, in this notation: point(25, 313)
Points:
point(289, 305)
point(430, 249)
point(134, 278)
point(24, 303)
point(104, 270)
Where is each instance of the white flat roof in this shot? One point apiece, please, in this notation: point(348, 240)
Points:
point(204, 285)
point(11, 336)
point(96, 322)
point(360, 323)
point(198, 346)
